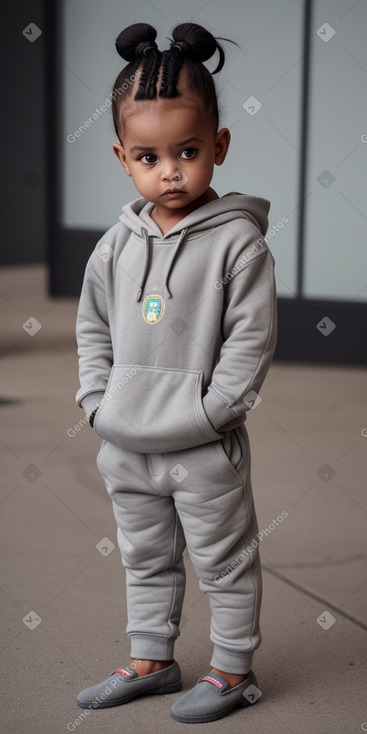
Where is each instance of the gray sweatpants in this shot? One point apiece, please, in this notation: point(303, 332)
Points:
point(200, 497)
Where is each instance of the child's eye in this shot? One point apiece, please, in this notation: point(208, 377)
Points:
point(148, 155)
point(191, 153)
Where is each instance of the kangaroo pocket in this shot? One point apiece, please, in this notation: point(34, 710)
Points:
point(154, 410)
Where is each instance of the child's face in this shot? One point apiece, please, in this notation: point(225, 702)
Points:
point(171, 144)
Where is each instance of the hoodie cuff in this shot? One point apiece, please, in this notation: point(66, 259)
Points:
point(91, 401)
point(217, 411)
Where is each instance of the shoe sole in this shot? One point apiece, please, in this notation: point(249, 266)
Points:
point(161, 690)
point(210, 717)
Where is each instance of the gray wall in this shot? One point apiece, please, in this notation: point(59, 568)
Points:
point(336, 259)
point(264, 154)
point(261, 160)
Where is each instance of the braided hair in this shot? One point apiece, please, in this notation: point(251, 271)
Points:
point(190, 46)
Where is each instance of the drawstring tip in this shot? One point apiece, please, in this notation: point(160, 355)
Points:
point(138, 296)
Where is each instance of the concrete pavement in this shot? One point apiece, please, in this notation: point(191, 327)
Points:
point(309, 446)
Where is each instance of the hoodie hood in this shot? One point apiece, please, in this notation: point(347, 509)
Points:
point(136, 217)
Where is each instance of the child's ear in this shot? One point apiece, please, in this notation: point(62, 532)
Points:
point(120, 153)
point(222, 140)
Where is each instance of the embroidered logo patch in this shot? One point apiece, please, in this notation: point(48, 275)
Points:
point(153, 309)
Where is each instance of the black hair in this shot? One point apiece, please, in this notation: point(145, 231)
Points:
point(190, 46)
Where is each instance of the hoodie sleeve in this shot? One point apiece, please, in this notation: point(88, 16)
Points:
point(93, 336)
point(250, 333)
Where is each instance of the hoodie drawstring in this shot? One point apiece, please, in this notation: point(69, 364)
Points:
point(178, 243)
point(147, 262)
point(147, 258)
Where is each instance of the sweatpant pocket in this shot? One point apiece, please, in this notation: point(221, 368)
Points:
point(232, 447)
point(232, 451)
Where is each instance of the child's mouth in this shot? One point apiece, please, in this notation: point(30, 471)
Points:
point(172, 193)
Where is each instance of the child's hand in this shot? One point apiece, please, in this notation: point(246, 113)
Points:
point(91, 417)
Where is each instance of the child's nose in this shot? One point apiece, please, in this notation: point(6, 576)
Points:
point(169, 170)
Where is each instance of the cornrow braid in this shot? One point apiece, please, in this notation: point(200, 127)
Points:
point(172, 61)
point(149, 75)
point(191, 45)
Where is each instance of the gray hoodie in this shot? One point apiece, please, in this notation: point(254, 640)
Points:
point(176, 333)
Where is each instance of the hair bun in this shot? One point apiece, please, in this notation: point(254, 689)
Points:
point(136, 40)
point(197, 43)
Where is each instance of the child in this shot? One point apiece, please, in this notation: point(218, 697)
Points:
point(176, 330)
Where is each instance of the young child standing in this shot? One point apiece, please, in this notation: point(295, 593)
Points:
point(176, 330)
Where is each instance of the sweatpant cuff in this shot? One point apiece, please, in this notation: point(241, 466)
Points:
point(152, 647)
point(231, 661)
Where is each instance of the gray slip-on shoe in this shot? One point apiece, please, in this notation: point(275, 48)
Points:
point(124, 684)
point(211, 699)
